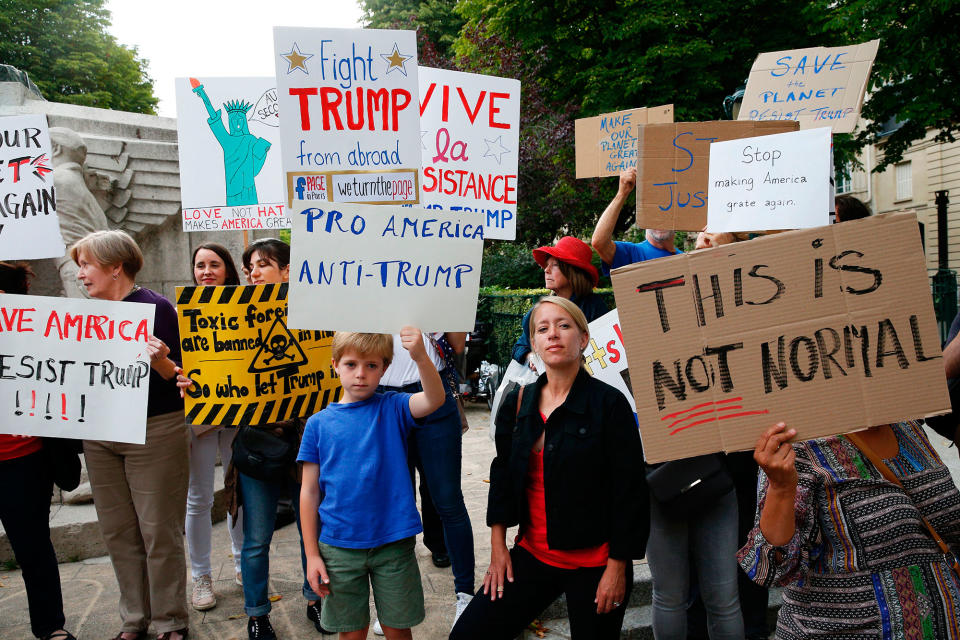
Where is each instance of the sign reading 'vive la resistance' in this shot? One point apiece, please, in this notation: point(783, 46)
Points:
point(829, 329)
point(247, 366)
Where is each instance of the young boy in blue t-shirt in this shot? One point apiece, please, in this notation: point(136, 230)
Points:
point(354, 454)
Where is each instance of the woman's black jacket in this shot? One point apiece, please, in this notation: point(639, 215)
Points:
point(593, 474)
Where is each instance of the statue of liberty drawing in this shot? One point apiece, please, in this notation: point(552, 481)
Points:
point(243, 152)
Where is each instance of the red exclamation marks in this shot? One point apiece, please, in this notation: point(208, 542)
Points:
point(83, 406)
point(33, 401)
point(63, 405)
point(18, 412)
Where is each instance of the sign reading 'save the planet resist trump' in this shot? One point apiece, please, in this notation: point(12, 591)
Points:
point(470, 141)
point(350, 129)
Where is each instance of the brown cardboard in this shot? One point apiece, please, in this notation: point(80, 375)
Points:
point(820, 86)
point(680, 153)
point(726, 400)
point(606, 144)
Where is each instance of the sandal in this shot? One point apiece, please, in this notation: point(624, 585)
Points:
point(141, 635)
point(166, 634)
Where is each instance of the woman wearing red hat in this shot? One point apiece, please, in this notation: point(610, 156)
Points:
point(567, 272)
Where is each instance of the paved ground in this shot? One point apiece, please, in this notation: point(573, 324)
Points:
point(91, 596)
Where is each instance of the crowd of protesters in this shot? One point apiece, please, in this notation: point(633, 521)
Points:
point(861, 531)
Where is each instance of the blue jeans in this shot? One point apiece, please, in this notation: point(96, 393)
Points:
point(435, 448)
point(710, 540)
point(259, 514)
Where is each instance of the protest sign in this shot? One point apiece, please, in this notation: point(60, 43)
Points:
point(377, 268)
point(247, 366)
point(607, 144)
point(228, 133)
point(829, 330)
point(74, 368)
point(28, 203)
point(779, 181)
point(672, 169)
point(605, 356)
point(351, 129)
point(470, 138)
point(819, 87)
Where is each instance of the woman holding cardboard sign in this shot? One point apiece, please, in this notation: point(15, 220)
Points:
point(212, 266)
point(567, 471)
point(861, 530)
point(259, 486)
point(140, 491)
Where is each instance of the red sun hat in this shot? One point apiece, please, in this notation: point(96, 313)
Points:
point(573, 251)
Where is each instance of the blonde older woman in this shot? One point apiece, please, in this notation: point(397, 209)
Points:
point(140, 491)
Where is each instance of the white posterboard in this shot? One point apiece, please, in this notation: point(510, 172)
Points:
point(228, 133)
point(605, 356)
point(780, 181)
point(377, 268)
point(470, 142)
point(29, 228)
point(74, 368)
point(350, 129)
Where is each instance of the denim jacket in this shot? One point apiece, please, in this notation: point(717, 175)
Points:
point(593, 473)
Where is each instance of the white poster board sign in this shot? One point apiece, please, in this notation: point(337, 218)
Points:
point(29, 227)
point(74, 368)
point(470, 142)
point(350, 129)
point(780, 181)
point(606, 357)
point(377, 268)
point(228, 132)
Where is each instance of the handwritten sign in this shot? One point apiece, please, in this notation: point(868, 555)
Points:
point(29, 227)
point(819, 87)
point(74, 368)
point(605, 356)
point(828, 329)
point(229, 143)
point(779, 181)
point(248, 367)
point(672, 170)
point(377, 268)
point(470, 139)
point(607, 144)
point(351, 128)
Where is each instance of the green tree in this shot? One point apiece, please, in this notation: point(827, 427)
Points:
point(916, 77)
point(65, 48)
point(436, 19)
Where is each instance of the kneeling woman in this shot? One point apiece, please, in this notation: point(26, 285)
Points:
point(569, 470)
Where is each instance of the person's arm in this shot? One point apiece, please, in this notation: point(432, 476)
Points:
point(158, 351)
point(457, 340)
point(951, 359)
point(309, 501)
point(602, 240)
point(433, 395)
point(501, 568)
point(521, 349)
point(501, 507)
point(778, 460)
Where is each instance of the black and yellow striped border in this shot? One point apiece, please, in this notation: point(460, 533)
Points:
point(247, 293)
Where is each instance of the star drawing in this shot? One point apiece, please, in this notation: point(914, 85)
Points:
point(296, 60)
point(423, 145)
point(492, 151)
point(396, 60)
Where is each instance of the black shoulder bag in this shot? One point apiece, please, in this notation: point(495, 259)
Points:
point(262, 454)
point(684, 488)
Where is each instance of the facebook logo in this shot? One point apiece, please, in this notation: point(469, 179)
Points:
point(301, 187)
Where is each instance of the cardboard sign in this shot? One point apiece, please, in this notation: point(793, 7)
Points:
point(29, 227)
point(607, 144)
point(228, 134)
point(378, 268)
point(819, 87)
point(606, 357)
point(470, 138)
point(829, 330)
point(351, 127)
point(247, 366)
point(774, 182)
point(74, 368)
point(672, 171)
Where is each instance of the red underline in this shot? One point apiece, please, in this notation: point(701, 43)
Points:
point(699, 406)
point(725, 417)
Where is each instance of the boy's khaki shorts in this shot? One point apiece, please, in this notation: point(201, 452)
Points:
point(392, 571)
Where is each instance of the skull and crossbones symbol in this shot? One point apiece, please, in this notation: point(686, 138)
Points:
point(278, 347)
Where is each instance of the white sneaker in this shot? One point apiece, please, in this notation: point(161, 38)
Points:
point(239, 579)
point(463, 599)
point(377, 629)
point(203, 597)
